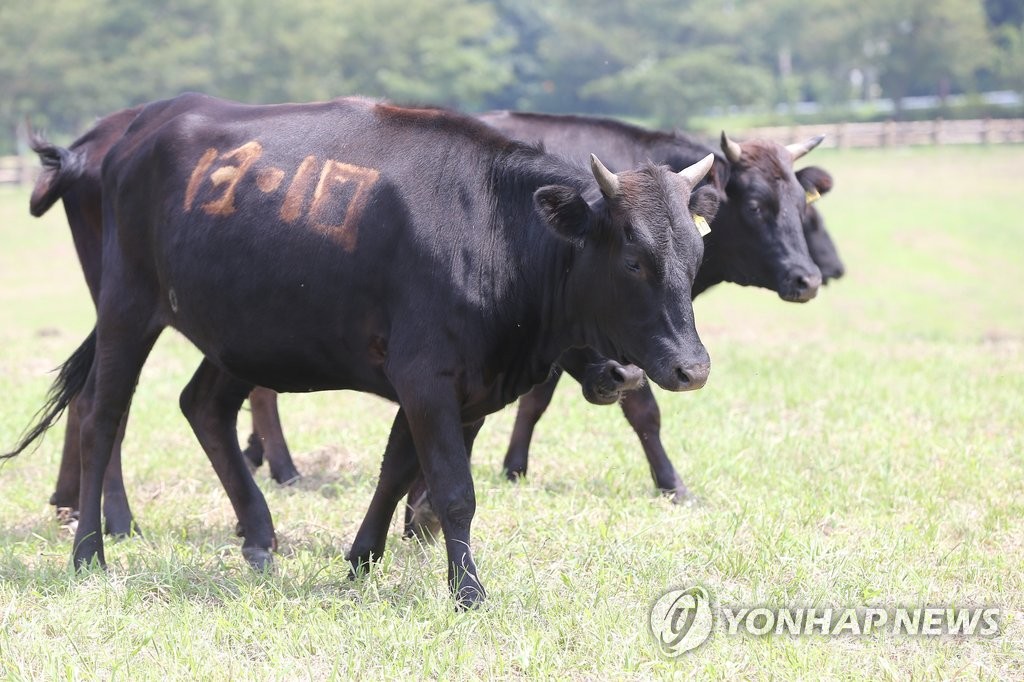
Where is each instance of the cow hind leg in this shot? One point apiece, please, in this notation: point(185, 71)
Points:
point(69, 476)
point(267, 441)
point(211, 402)
point(121, 351)
point(641, 411)
point(116, 511)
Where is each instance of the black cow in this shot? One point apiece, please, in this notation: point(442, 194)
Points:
point(414, 254)
point(72, 176)
point(756, 238)
point(816, 183)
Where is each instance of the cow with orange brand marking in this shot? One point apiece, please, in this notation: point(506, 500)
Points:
point(474, 262)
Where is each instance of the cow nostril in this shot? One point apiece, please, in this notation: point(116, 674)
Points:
point(618, 376)
point(807, 285)
point(684, 378)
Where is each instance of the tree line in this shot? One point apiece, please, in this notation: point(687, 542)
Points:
point(65, 62)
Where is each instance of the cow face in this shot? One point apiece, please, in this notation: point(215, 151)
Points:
point(817, 183)
point(629, 287)
point(765, 210)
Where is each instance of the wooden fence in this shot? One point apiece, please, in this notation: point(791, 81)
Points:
point(19, 170)
point(23, 170)
point(899, 133)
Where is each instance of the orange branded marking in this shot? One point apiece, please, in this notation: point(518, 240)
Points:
point(324, 207)
point(197, 176)
point(269, 179)
point(294, 199)
point(337, 173)
point(246, 156)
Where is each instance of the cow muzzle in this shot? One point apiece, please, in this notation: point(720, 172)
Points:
point(605, 382)
point(801, 287)
point(686, 375)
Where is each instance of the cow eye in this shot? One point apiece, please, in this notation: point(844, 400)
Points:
point(633, 265)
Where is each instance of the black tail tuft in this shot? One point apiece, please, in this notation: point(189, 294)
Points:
point(69, 383)
point(61, 167)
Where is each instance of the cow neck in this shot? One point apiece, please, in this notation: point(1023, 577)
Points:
point(533, 304)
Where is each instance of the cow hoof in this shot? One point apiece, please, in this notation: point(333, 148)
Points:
point(682, 497)
point(515, 475)
point(287, 478)
point(259, 558)
point(469, 597)
point(358, 567)
point(120, 531)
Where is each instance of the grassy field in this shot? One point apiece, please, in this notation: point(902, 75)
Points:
point(862, 450)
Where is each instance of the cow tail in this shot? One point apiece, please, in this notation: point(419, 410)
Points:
point(69, 383)
point(61, 168)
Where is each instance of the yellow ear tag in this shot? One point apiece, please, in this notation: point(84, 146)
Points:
point(702, 225)
point(812, 195)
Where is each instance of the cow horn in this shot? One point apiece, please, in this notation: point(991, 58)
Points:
point(606, 180)
point(731, 149)
point(798, 149)
point(695, 173)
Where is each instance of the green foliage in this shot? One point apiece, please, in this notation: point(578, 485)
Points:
point(65, 62)
point(1009, 60)
point(931, 41)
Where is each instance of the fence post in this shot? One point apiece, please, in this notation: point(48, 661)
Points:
point(840, 136)
point(937, 131)
point(25, 170)
point(887, 127)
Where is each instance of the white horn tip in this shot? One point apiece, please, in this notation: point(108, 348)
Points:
point(695, 173)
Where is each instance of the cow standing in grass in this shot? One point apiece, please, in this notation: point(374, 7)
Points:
point(756, 238)
point(414, 254)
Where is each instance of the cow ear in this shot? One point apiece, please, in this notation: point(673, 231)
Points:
point(704, 202)
point(815, 178)
point(564, 210)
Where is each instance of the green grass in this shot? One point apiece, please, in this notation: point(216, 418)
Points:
point(861, 450)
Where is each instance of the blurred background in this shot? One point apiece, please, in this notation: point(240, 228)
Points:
point(699, 64)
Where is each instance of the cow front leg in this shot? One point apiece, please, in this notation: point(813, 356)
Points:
point(435, 422)
point(420, 520)
point(211, 402)
point(267, 441)
point(531, 409)
point(641, 411)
